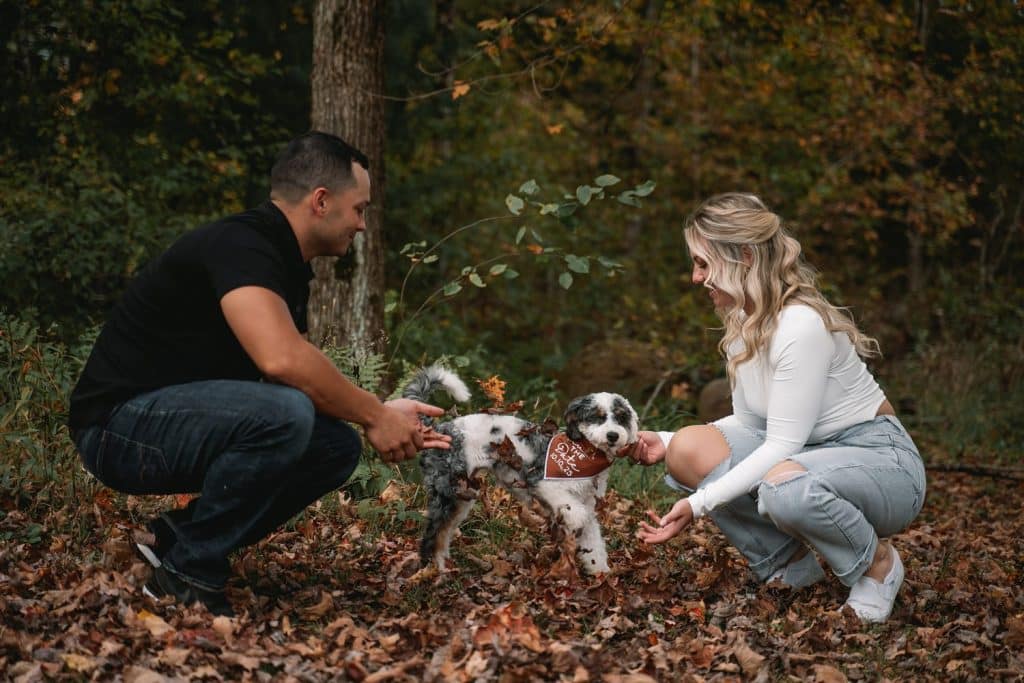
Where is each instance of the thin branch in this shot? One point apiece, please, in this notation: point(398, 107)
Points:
point(453, 233)
point(1013, 473)
point(552, 57)
point(432, 301)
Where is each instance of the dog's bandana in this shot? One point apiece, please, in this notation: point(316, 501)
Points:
point(568, 459)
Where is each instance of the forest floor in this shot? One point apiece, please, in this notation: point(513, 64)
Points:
point(336, 596)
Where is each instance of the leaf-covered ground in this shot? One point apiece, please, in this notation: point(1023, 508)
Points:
point(337, 597)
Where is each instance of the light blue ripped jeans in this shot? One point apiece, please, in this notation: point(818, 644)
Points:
point(864, 483)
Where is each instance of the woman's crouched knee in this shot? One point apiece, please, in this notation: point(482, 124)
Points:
point(694, 452)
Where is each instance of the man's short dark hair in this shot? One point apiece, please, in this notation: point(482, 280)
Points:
point(314, 160)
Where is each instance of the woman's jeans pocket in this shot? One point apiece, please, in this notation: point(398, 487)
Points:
point(122, 464)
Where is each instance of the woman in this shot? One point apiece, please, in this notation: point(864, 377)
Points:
point(813, 461)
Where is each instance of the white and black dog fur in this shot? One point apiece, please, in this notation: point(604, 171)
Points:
point(606, 420)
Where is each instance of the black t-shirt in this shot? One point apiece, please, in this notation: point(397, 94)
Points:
point(168, 327)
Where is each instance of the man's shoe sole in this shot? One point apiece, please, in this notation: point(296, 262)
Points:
point(147, 554)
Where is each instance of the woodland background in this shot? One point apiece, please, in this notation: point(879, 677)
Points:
point(890, 135)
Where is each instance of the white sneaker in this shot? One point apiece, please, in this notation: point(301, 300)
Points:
point(873, 601)
point(803, 572)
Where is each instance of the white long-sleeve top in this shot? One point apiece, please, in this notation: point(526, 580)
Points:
point(809, 386)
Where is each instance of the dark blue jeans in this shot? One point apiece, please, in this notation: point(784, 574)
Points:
point(257, 454)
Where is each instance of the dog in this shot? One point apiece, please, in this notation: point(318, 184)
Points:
point(566, 472)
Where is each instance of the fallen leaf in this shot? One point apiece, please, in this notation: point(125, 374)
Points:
point(749, 660)
point(154, 624)
point(79, 663)
point(322, 608)
point(823, 673)
point(224, 626)
point(140, 674)
point(237, 658)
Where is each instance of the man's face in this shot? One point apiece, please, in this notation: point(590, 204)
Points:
point(345, 215)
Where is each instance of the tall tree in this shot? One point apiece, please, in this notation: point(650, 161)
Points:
point(346, 299)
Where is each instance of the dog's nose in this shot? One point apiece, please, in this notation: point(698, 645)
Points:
point(612, 437)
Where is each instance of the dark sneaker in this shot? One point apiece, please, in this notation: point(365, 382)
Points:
point(164, 583)
point(153, 543)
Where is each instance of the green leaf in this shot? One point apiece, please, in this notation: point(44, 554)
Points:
point(390, 306)
point(461, 361)
point(628, 198)
point(514, 204)
point(511, 274)
point(578, 264)
point(452, 288)
point(520, 234)
point(608, 263)
point(530, 187)
point(431, 258)
point(565, 279)
point(498, 269)
point(545, 209)
point(536, 237)
point(606, 180)
point(474, 277)
point(567, 209)
point(583, 193)
point(645, 188)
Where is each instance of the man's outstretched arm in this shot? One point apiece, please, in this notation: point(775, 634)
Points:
point(263, 325)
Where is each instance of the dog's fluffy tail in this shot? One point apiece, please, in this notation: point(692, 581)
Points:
point(428, 380)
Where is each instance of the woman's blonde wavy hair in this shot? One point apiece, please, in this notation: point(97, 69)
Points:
point(753, 258)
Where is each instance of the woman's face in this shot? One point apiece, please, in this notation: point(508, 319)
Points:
point(720, 299)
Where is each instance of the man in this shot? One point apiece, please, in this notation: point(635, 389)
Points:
point(202, 380)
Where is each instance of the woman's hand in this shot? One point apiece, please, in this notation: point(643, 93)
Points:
point(648, 449)
point(678, 518)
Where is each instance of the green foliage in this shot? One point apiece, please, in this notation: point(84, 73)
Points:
point(124, 124)
point(36, 377)
point(886, 137)
point(495, 268)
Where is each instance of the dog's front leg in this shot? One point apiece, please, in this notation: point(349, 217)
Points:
point(592, 553)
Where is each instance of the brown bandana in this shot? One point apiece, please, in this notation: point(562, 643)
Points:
point(568, 459)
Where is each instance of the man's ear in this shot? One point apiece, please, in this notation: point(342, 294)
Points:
point(318, 201)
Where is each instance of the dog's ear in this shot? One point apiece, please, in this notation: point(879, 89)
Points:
point(572, 417)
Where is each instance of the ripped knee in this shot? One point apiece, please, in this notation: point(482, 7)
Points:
point(784, 471)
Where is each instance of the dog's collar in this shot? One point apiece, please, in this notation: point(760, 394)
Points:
point(568, 459)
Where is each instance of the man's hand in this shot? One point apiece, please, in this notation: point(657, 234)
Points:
point(397, 433)
point(678, 518)
point(648, 449)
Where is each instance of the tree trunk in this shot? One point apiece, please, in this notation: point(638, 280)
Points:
point(346, 303)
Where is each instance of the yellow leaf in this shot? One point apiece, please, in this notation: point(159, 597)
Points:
point(459, 90)
point(556, 129)
point(79, 663)
point(493, 388)
point(154, 624)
